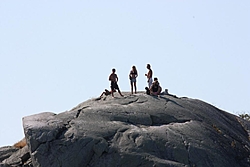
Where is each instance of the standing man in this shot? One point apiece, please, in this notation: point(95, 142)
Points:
point(114, 86)
point(149, 75)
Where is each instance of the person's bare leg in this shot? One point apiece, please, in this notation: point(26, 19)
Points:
point(135, 86)
point(120, 92)
point(102, 94)
point(131, 87)
point(112, 93)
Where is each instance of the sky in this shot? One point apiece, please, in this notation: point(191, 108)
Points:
point(57, 54)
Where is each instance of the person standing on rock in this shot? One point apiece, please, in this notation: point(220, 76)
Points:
point(114, 86)
point(149, 75)
point(132, 76)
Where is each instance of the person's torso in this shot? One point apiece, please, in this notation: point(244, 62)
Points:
point(133, 74)
point(113, 77)
point(150, 73)
point(155, 88)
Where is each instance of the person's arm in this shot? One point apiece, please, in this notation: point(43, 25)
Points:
point(116, 78)
point(159, 90)
point(150, 74)
point(110, 77)
point(147, 74)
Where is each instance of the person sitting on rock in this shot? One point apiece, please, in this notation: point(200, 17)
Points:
point(106, 92)
point(155, 88)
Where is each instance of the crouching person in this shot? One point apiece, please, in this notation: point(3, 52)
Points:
point(155, 88)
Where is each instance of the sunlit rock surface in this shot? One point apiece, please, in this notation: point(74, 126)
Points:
point(137, 130)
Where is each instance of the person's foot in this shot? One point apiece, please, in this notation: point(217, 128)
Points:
point(98, 98)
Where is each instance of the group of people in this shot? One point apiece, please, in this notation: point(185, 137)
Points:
point(153, 88)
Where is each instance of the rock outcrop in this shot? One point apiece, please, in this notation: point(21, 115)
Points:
point(132, 131)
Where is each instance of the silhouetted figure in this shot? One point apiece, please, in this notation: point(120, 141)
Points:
point(132, 76)
point(114, 86)
point(106, 92)
point(149, 75)
point(155, 88)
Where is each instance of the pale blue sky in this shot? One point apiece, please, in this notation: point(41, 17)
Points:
point(57, 54)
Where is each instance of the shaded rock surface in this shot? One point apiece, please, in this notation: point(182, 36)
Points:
point(6, 152)
point(11, 156)
point(135, 130)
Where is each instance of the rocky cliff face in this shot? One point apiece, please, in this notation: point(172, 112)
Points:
point(135, 130)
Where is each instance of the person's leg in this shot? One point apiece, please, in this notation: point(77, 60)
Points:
point(102, 94)
point(117, 88)
point(112, 93)
point(119, 92)
point(131, 83)
point(135, 87)
point(150, 82)
point(112, 90)
point(159, 91)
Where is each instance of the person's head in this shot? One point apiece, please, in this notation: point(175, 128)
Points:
point(134, 68)
point(113, 70)
point(148, 66)
point(156, 81)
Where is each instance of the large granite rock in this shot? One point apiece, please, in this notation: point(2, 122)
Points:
point(6, 152)
point(138, 130)
point(11, 156)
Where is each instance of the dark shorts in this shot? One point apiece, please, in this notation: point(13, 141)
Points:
point(114, 86)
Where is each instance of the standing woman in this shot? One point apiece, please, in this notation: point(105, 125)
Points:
point(132, 76)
